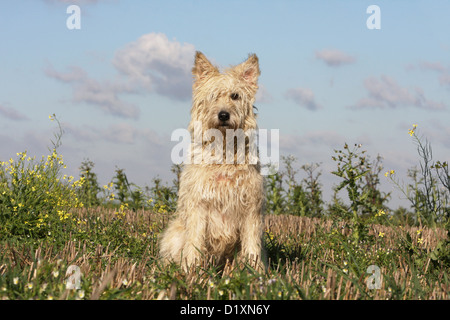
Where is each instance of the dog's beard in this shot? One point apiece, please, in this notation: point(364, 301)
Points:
point(224, 125)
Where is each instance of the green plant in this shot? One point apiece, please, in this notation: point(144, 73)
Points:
point(313, 189)
point(88, 192)
point(376, 199)
point(304, 198)
point(121, 185)
point(429, 193)
point(45, 228)
point(163, 197)
point(360, 179)
point(300, 199)
point(35, 197)
point(352, 167)
point(127, 193)
point(275, 201)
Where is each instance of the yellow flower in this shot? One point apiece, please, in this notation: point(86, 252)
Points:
point(81, 294)
point(420, 240)
point(411, 132)
point(389, 173)
point(380, 213)
point(381, 234)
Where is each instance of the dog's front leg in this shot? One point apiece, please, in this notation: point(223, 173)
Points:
point(251, 240)
point(194, 247)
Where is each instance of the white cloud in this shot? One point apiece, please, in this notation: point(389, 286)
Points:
point(334, 57)
point(385, 92)
point(313, 139)
point(152, 63)
point(438, 67)
point(104, 95)
point(435, 66)
point(75, 74)
point(158, 65)
point(304, 97)
point(118, 133)
point(12, 114)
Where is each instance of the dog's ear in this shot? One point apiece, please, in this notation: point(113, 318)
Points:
point(202, 67)
point(250, 70)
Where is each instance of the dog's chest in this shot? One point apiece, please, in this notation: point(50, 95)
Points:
point(228, 180)
point(229, 185)
point(221, 188)
point(224, 193)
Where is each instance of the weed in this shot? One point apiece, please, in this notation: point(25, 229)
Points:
point(50, 222)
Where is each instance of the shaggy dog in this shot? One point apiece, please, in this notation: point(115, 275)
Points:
point(221, 196)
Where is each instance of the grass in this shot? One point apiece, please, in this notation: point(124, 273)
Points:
point(68, 239)
point(309, 258)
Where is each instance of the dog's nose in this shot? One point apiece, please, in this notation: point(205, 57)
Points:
point(224, 116)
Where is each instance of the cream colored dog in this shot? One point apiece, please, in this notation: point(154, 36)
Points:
point(221, 197)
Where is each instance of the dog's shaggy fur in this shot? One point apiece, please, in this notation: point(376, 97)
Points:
point(220, 205)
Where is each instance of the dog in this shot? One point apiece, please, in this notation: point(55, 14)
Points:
point(221, 195)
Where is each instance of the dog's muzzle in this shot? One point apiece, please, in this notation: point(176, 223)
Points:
point(224, 116)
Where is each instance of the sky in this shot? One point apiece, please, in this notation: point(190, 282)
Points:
point(120, 84)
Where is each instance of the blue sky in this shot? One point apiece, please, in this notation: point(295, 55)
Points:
point(120, 84)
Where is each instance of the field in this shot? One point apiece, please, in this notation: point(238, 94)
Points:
point(65, 238)
point(117, 258)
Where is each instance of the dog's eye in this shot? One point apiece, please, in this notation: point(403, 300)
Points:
point(234, 96)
